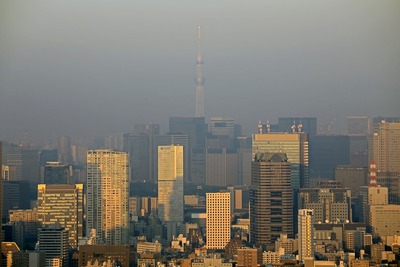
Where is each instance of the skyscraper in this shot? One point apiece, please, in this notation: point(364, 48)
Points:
point(64, 149)
point(306, 234)
point(150, 130)
point(56, 173)
point(218, 222)
point(199, 79)
point(327, 152)
point(196, 130)
point(137, 146)
point(25, 163)
point(108, 196)
point(295, 145)
point(386, 148)
point(172, 139)
point(271, 199)
point(62, 204)
point(170, 183)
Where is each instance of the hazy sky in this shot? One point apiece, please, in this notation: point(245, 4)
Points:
point(93, 67)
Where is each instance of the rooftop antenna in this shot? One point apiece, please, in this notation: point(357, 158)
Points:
point(293, 127)
point(260, 130)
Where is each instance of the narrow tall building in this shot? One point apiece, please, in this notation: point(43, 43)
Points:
point(64, 149)
point(271, 199)
point(199, 79)
point(108, 196)
point(170, 183)
point(386, 148)
point(137, 146)
point(306, 234)
point(62, 204)
point(218, 222)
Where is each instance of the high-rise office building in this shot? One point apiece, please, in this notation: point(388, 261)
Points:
point(221, 167)
point(218, 222)
point(391, 180)
point(137, 146)
point(25, 164)
point(108, 196)
point(384, 220)
point(46, 155)
point(351, 177)
point(170, 183)
point(62, 204)
point(271, 199)
point(150, 130)
point(54, 241)
point(172, 139)
point(328, 152)
point(386, 148)
point(57, 173)
point(196, 130)
point(306, 234)
point(64, 149)
point(295, 145)
point(371, 196)
point(14, 197)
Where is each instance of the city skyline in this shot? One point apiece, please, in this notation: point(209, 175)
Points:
point(263, 60)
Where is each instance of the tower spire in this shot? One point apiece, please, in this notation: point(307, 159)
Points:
point(199, 78)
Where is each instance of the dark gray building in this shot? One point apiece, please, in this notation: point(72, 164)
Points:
point(196, 130)
point(271, 199)
point(327, 152)
point(137, 146)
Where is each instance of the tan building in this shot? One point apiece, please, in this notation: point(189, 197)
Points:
point(288, 244)
point(249, 257)
point(170, 183)
point(386, 148)
point(218, 223)
point(108, 196)
point(372, 196)
point(306, 234)
point(376, 252)
point(385, 220)
point(62, 204)
point(360, 263)
point(295, 145)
